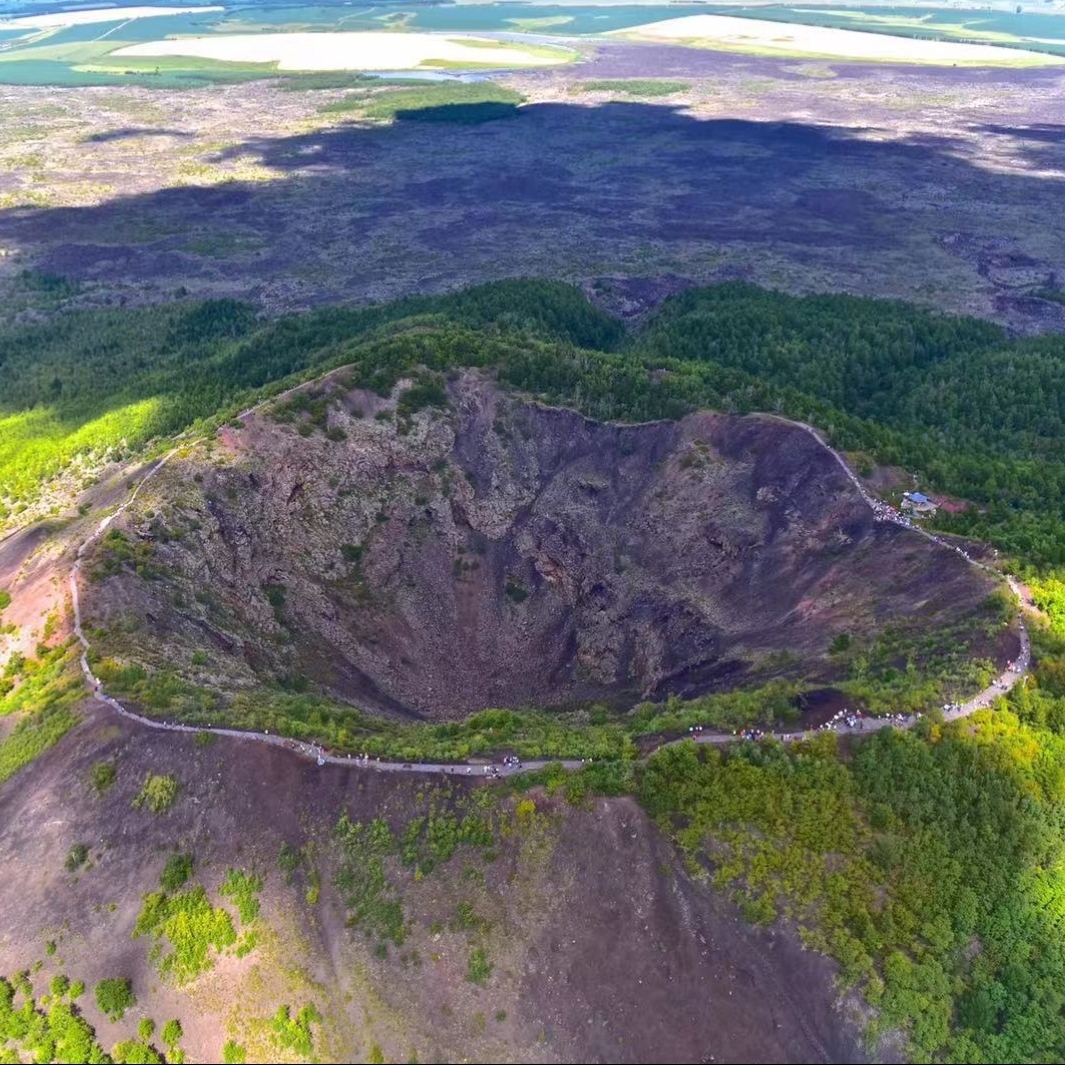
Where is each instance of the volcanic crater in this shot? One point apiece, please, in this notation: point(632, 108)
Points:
point(494, 551)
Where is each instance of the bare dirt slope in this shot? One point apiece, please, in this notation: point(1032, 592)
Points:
point(601, 947)
point(501, 553)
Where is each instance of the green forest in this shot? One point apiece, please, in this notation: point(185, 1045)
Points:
point(971, 411)
point(930, 864)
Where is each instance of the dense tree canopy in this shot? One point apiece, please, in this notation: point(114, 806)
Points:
point(974, 412)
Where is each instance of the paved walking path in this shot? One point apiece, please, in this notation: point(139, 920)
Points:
point(849, 724)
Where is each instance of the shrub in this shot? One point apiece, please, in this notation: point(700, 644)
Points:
point(134, 1052)
point(191, 925)
point(146, 1029)
point(243, 888)
point(515, 591)
point(295, 1033)
point(114, 997)
point(478, 967)
point(233, 1053)
point(172, 1033)
point(177, 870)
point(158, 793)
point(288, 860)
point(77, 857)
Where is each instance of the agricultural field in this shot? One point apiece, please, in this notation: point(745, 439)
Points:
point(763, 37)
point(182, 46)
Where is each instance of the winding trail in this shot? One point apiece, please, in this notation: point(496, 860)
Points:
point(1013, 675)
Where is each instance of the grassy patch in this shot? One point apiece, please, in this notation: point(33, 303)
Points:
point(42, 693)
point(172, 1033)
point(478, 967)
point(233, 1053)
point(159, 690)
point(193, 929)
point(158, 793)
point(102, 776)
point(242, 889)
point(371, 857)
point(294, 1033)
point(645, 88)
point(463, 102)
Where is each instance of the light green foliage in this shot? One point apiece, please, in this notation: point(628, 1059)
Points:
point(528, 733)
point(158, 793)
point(294, 1033)
point(31, 1032)
point(903, 668)
point(233, 1053)
point(135, 1052)
point(900, 862)
point(172, 1033)
point(243, 889)
point(646, 88)
point(43, 700)
point(114, 996)
point(937, 666)
point(193, 929)
point(177, 870)
point(159, 690)
point(1048, 593)
point(145, 1029)
point(372, 901)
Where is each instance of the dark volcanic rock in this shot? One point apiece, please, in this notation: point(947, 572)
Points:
point(503, 553)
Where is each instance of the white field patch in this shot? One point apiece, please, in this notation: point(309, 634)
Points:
point(763, 36)
point(350, 51)
point(58, 19)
